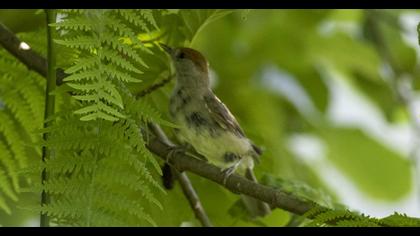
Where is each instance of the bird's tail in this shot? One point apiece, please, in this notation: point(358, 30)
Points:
point(256, 208)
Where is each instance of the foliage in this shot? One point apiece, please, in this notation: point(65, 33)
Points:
point(21, 110)
point(97, 168)
point(346, 218)
point(103, 61)
point(101, 173)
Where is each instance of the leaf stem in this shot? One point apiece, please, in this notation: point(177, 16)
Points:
point(49, 110)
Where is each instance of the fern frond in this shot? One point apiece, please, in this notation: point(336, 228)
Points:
point(334, 215)
point(398, 219)
point(4, 206)
point(82, 42)
point(104, 59)
point(85, 63)
point(75, 23)
point(21, 109)
point(135, 18)
point(356, 223)
point(347, 218)
point(116, 59)
point(6, 187)
point(148, 16)
point(124, 49)
point(11, 166)
point(84, 75)
point(128, 179)
point(115, 73)
point(98, 170)
point(146, 112)
point(9, 130)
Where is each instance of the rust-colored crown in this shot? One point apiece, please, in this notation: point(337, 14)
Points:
point(196, 57)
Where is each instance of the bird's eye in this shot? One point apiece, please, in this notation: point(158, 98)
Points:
point(181, 55)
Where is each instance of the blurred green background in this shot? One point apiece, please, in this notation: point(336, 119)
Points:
point(331, 96)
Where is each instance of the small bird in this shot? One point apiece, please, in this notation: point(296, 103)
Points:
point(207, 125)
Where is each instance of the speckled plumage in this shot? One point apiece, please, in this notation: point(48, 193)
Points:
point(209, 127)
point(206, 123)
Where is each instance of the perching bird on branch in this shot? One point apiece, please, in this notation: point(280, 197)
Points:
point(206, 123)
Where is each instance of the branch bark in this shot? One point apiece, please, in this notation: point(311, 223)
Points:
point(235, 183)
point(193, 199)
point(32, 60)
point(28, 57)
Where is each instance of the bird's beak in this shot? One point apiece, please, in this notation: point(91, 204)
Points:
point(167, 49)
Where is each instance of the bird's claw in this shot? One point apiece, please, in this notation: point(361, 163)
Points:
point(174, 151)
point(227, 173)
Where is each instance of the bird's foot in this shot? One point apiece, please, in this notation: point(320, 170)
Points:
point(229, 171)
point(173, 152)
point(186, 149)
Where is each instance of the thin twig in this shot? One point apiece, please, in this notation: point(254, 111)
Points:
point(185, 183)
point(154, 87)
point(193, 199)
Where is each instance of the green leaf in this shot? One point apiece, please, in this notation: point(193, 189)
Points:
point(374, 168)
point(196, 20)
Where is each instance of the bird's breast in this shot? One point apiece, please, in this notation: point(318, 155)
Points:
point(220, 147)
point(197, 128)
point(179, 101)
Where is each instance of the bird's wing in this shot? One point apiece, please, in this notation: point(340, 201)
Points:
point(221, 115)
point(224, 119)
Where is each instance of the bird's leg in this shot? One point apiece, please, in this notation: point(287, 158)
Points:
point(190, 151)
point(195, 154)
point(185, 148)
point(174, 151)
point(230, 170)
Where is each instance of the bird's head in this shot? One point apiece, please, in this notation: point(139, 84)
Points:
point(191, 66)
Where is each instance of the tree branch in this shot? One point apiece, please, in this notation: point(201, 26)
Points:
point(235, 183)
point(193, 199)
point(32, 60)
point(28, 57)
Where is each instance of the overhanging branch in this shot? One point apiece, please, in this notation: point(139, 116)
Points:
point(234, 182)
point(27, 56)
point(32, 60)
